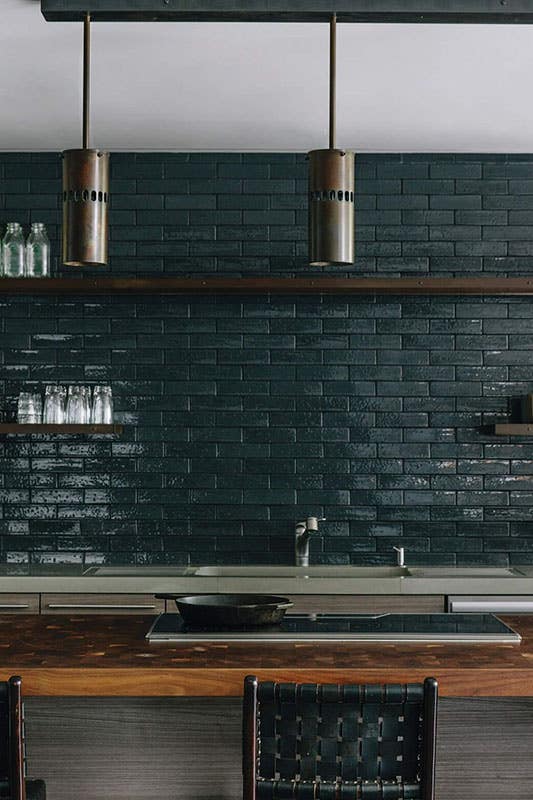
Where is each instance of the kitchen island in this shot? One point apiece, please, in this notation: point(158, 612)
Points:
point(111, 715)
point(109, 656)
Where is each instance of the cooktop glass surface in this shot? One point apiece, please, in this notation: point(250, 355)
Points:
point(481, 628)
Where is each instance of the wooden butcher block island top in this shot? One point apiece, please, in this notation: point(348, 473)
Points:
point(109, 655)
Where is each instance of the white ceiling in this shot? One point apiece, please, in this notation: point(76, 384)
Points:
point(232, 86)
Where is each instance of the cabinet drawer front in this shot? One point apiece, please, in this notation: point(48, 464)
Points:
point(491, 604)
point(101, 604)
point(15, 603)
point(366, 604)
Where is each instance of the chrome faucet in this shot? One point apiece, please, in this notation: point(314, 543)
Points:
point(302, 533)
point(400, 556)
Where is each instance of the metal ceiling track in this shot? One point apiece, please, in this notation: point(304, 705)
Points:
point(503, 12)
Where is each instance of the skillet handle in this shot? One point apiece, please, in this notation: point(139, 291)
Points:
point(166, 596)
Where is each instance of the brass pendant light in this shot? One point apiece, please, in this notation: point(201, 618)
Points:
point(85, 188)
point(331, 187)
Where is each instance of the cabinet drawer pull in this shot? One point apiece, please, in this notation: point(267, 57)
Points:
point(14, 605)
point(98, 605)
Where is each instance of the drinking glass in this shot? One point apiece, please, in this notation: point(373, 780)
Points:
point(87, 406)
point(102, 410)
point(29, 408)
point(54, 405)
point(75, 406)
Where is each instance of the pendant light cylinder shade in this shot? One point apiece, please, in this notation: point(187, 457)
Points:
point(85, 207)
point(331, 207)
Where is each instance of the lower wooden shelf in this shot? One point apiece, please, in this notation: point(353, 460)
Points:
point(267, 285)
point(21, 428)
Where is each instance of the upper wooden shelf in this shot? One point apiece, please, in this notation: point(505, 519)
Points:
point(270, 285)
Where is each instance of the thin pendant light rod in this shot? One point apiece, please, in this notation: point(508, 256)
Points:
point(332, 80)
point(86, 78)
point(85, 185)
point(331, 186)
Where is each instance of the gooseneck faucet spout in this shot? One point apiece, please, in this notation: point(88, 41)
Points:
point(302, 534)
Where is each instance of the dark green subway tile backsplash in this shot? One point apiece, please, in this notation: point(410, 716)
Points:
point(243, 414)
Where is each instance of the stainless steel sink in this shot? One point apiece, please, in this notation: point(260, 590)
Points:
point(136, 572)
point(316, 572)
point(259, 571)
point(464, 572)
point(299, 572)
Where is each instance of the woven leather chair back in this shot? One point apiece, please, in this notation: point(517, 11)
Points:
point(330, 742)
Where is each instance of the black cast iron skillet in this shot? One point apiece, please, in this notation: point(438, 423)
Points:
point(230, 610)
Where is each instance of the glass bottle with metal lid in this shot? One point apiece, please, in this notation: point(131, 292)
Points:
point(13, 251)
point(37, 252)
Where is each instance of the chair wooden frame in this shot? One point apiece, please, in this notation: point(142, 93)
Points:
point(12, 766)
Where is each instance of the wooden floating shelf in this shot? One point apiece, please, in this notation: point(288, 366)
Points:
point(513, 429)
point(22, 428)
point(267, 285)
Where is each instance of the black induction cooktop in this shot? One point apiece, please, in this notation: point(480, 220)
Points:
point(458, 628)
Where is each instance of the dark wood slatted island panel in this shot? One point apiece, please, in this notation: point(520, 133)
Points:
point(109, 656)
point(139, 748)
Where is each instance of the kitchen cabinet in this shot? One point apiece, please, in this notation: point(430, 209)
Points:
point(367, 604)
point(491, 604)
point(148, 604)
point(18, 603)
point(78, 603)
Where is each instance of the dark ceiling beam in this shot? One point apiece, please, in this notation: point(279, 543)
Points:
point(503, 12)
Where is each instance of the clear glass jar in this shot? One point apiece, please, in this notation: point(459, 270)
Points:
point(86, 396)
point(102, 411)
point(37, 252)
point(54, 405)
point(13, 251)
point(29, 408)
point(75, 406)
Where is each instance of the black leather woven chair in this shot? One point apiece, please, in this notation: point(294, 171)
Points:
point(329, 742)
point(13, 783)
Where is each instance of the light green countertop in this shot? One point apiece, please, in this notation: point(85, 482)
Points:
point(316, 579)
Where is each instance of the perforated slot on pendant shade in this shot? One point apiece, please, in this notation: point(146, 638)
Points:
point(332, 194)
point(74, 196)
point(85, 207)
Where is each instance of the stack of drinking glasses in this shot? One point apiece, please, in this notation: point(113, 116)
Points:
point(30, 259)
point(29, 408)
point(102, 405)
point(74, 406)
